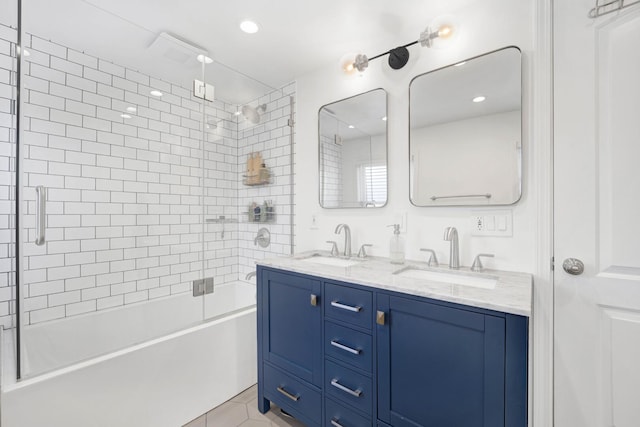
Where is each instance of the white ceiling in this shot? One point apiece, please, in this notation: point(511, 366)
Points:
point(296, 37)
point(445, 95)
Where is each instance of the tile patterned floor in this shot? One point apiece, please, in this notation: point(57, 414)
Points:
point(242, 410)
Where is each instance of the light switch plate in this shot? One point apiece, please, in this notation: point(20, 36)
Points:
point(492, 223)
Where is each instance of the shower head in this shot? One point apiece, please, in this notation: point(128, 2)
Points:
point(253, 114)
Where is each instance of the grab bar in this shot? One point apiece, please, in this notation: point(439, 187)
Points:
point(41, 214)
point(487, 195)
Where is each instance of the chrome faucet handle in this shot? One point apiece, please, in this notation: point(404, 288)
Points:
point(477, 264)
point(362, 253)
point(433, 260)
point(334, 248)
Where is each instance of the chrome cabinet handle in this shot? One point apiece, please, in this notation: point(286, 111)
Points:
point(336, 384)
point(41, 214)
point(345, 348)
point(355, 309)
point(287, 394)
point(335, 423)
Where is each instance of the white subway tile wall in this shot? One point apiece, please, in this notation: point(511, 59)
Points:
point(8, 37)
point(331, 176)
point(272, 138)
point(125, 201)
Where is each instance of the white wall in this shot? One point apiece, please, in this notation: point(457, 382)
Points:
point(485, 26)
point(479, 155)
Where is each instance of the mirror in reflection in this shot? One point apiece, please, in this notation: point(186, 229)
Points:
point(353, 151)
point(465, 132)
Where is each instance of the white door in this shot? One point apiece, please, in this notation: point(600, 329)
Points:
point(597, 216)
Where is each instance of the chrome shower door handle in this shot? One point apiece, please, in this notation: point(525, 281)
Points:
point(41, 214)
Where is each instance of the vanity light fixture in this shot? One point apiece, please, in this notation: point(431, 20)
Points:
point(479, 99)
point(441, 31)
point(249, 27)
point(156, 93)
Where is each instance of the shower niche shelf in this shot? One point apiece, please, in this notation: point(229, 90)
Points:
point(254, 181)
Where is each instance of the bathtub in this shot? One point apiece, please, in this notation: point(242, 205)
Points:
point(164, 381)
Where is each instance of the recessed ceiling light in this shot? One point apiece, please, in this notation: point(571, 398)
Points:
point(125, 116)
point(249, 27)
point(132, 109)
point(351, 126)
point(204, 58)
point(384, 119)
point(478, 99)
point(460, 64)
point(156, 93)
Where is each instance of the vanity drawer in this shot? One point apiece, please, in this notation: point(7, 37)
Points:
point(292, 394)
point(348, 304)
point(337, 415)
point(348, 386)
point(348, 346)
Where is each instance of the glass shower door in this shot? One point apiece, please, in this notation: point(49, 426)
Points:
point(112, 185)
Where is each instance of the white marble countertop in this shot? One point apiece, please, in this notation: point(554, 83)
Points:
point(512, 293)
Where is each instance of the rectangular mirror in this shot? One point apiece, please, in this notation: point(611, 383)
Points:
point(353, 151)
point(465, 132)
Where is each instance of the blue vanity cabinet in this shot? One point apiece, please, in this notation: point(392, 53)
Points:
point(442, 365)
point(290, 344)
point(340, 354)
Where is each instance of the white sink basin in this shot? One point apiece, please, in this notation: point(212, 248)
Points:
point(474, 280)
point(336, 262)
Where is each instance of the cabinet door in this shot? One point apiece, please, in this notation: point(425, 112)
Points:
point(290, 324)
point(439, 366)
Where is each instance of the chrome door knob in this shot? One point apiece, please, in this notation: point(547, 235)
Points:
point(573, 266)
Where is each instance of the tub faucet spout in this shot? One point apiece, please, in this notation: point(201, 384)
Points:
point(347, 238)
point(451, 234)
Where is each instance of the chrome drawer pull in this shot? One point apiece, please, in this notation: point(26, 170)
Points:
point(345, 348)
point(355, 309)
point(336, 384)
point(287, 394)
point(335, 423)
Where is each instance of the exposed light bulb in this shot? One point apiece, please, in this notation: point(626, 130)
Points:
point(348, 64)
point(479, 99)
point(445, 31)
point(442, 31)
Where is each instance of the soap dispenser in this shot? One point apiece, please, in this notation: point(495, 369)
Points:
point(396, 246)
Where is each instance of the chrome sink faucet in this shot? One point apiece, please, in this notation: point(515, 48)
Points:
point(347, 238)
point(451, 234)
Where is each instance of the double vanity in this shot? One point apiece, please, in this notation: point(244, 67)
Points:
point(363, 342)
